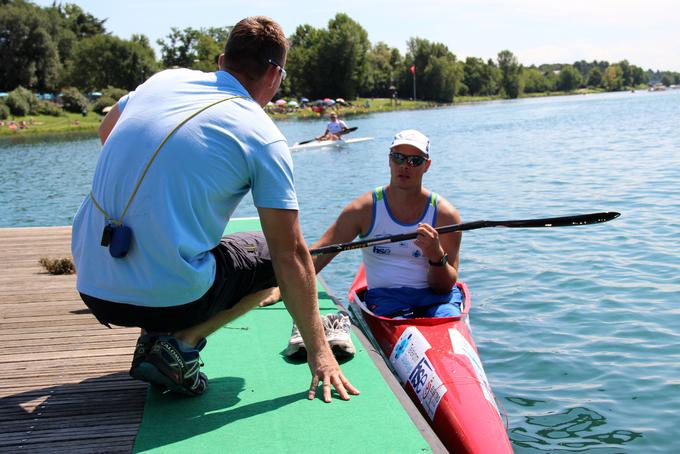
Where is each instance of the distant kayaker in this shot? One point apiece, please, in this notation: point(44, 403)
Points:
point(411, 278)
point(334, 128)
point(163, 265)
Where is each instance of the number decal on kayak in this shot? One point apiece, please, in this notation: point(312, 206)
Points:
point(412, 365)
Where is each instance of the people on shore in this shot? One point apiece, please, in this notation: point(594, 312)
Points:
point(405, 279)
point(334, 129)
point(148, 241)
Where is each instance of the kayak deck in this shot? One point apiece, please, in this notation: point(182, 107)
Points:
point(257, 400)
point(328, 143)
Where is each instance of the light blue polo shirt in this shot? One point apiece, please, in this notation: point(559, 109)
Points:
point(189, 192)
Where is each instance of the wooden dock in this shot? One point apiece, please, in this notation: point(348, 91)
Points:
point(64, 385)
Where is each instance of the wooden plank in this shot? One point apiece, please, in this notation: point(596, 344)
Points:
point(64, 385)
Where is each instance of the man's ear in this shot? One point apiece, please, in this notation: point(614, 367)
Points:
point(427, 165)
point(220, 62)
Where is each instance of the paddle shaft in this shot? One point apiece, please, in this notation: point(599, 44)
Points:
point(348, 130)
point(564, 221)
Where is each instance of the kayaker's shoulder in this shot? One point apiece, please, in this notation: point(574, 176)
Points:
point(362, 205)
point(446, 212)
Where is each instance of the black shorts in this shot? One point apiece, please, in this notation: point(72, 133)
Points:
point(243, 267)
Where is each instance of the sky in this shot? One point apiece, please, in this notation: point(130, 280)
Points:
point(646, 33)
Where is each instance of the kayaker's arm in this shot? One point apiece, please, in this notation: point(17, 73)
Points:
point(354, 219)
point(108, 123)
point(441, 278)
point(295, 276)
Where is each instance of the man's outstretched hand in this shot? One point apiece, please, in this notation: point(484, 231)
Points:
point(326, 370)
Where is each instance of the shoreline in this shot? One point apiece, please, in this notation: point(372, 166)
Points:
point(75, 126)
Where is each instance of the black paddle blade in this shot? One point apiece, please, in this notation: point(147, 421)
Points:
point(564, 221)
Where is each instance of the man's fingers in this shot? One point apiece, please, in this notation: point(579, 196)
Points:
point(312, 388)
point(348, 386)
point(326, 392)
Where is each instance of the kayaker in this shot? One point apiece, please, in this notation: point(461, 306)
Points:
point(334, 128)
point(164, 265)
point(412, 278)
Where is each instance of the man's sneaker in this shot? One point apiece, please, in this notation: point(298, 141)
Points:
point(337, 328)
point(167, 365)
point(296, 346)
point(143, 347)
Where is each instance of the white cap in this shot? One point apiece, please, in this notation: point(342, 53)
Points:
point(414, 138)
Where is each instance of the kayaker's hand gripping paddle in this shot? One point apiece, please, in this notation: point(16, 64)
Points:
point(565, 221)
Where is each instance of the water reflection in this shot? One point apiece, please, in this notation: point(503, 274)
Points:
point(572, 429)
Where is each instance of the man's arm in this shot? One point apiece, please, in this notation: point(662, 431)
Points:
point(354, 219)
point(296, 278)
point(109, 122)
point(325, 133)
point(441, 278)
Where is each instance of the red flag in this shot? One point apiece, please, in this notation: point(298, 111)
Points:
point(413, 69)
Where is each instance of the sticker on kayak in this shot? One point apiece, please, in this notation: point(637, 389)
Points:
point(427, 385)
point(462, 347)
point(408, 351)
point(411, 364)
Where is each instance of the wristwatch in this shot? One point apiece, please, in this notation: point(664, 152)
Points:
point(441, 262)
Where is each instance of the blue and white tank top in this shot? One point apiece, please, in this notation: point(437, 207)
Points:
point(400, 264)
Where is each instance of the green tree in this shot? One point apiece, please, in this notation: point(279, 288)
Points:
point(613, 78)
point(535, 81)
point(437, 72)
point(343, 67)
point(381, 61)
point(303, 63)
point(104, 60)
point(28, 55)
point(179, 48)
point(595, 77)
point(511, 83)
point(73, 100)
point(193, 48)
point(569, 78)
point(626, 73)
point(474, 75)
point(82, 24)
point(639, 75)
point(666, 80)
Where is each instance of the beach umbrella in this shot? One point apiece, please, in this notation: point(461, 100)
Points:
point(281, 102)
point(269, 104)
point(293, 103)
point(340, 100)
point(107, 109)
point(304, 100)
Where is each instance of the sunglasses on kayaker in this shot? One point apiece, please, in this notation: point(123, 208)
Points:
point(281, 70)
point(412, 161)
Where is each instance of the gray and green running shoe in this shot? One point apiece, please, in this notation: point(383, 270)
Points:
point(167, 365)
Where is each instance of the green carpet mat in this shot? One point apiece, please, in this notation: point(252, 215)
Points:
point(257, 400)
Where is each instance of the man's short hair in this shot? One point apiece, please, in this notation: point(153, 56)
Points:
point(252, 43)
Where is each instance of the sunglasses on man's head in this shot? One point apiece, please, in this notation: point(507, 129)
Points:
point(412, 161)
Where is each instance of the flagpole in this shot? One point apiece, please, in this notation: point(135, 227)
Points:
point(414, 85)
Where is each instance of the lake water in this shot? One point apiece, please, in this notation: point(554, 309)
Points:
point(578, 327)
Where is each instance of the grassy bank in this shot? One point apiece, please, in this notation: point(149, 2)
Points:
point(43, 126)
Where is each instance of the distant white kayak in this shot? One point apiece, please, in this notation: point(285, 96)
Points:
point(328, 143)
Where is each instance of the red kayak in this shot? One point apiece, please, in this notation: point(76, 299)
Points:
point(437, 363)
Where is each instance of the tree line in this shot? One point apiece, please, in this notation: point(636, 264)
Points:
point(49, 48)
